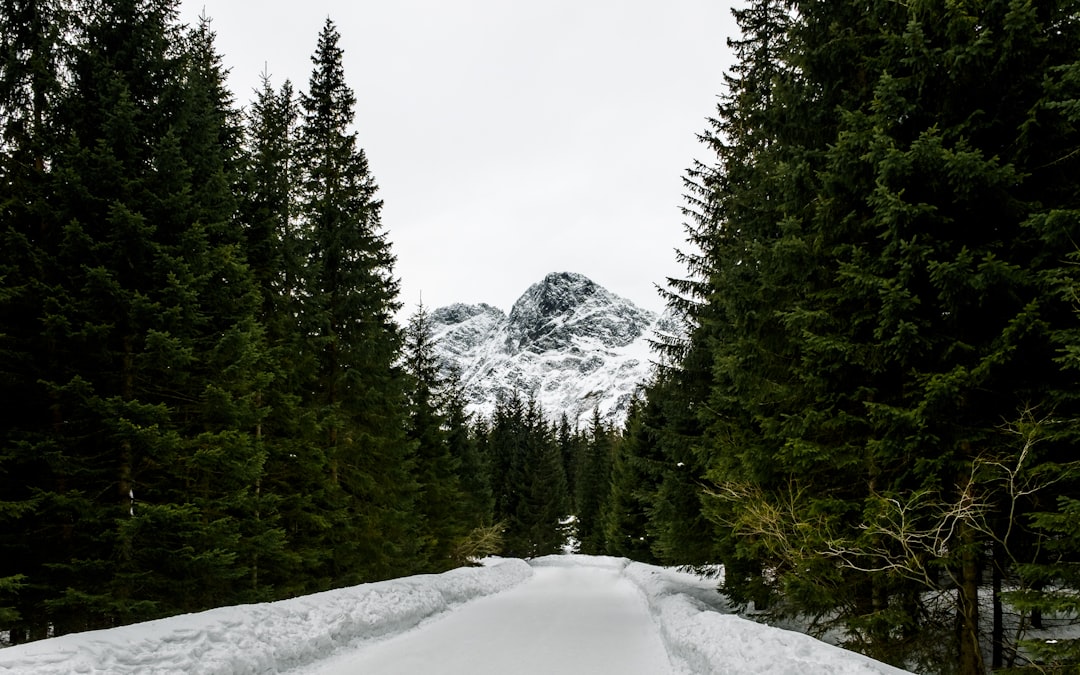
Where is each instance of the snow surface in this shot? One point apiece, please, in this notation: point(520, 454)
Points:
point(263, 638)
point(705, 640)
point(570, 619)
point(559, 614)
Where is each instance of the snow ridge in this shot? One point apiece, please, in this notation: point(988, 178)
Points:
point(263, 638)
point(709, 641)
point(568, 342)
point(704, 638)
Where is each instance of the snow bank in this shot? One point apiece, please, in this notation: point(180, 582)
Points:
point(712, 642)
point(263, 638)
point(701, 634)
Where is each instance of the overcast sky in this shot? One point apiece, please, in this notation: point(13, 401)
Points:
point(510, 139)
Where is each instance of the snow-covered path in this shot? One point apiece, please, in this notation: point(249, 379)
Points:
point(566, 619)
point(557, 614)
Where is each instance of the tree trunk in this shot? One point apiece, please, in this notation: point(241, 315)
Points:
point(967, 596)
point(998, 637)
point(127, 377)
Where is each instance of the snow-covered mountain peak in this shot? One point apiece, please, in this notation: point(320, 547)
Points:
point(568, 342)
point(565, 307)
point(461, 329)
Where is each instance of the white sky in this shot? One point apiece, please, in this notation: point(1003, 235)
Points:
point(510, 139)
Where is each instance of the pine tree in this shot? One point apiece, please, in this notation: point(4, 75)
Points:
point(268, 203)
point(569, 440)
point(31, 66)
point(441, 501)
point(465, 442)
point(882, 295)
point(528, 479)
point(152, 348)
point(364, 489)
point(625, 514)
point(592, 485)
point(273, 247)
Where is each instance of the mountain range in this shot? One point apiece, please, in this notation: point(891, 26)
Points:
point(568, 342)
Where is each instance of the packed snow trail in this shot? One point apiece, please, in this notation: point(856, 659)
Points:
point(559, 614)
point(566, 619)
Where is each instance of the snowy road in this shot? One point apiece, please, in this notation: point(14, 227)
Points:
point(557, 614)
point(566, 619)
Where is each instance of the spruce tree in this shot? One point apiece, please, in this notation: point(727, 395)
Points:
point(273, 248)
point(364, 486)
point(441, 500)
point(32, 62)
point(153, 350)
point(529, 481)
point(569, 440)
point(885, 301)
point(465, 441)
point(625, 514)
point(592, 485)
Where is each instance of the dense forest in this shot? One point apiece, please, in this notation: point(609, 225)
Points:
point(873, 421)
point(206, 398)
point(870, 421)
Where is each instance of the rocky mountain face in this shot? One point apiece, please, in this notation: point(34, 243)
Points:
point(568, 342)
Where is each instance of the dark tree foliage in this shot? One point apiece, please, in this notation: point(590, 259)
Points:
point(442, 501)
point(634, 479)
point(32, 64)
point(876, 401)
point(202, 398)
point(570, 440)
point(359, 465)
point(528, 480)
point(151, 353)
point(273, 247)
point(592, 484)
point(466, 440)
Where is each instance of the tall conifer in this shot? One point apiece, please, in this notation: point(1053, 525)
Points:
point(441, 500)
point(156, 369)
point(32, 66)
point(884, 236)
point(273, 246)
point(592, 485)
point(367, 493)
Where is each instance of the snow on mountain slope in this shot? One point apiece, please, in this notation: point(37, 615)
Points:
point(568, 342)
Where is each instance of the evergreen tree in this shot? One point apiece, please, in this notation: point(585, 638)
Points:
point(31, 69)
point(593, 486)
point(441, 501)
point(505, 440)
point(883, 292)
point(671, 445)
point(529, 481)
point(274, 253)
point(268, 208)
point(466, 441)
point(625, 514)
point(152, 349)
point(363, 490)
point(569, 440)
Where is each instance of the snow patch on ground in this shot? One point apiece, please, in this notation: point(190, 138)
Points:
point(574, 616)
point(264, 638)
point(710, 641)
point(698, 632)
